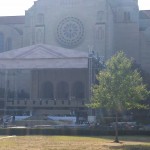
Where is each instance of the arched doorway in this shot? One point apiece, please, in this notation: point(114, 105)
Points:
point(47, 90)
point(78, 90)
point(63, 90)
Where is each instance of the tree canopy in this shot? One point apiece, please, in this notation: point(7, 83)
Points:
point(120, 87)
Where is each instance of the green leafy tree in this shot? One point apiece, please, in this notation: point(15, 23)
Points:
point(119, 88)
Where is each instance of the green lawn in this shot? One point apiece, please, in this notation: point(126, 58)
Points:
point(72, 143)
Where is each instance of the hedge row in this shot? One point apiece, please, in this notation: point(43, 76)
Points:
point(76, 132)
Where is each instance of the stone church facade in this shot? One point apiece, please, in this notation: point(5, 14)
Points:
point(102, 26)
point(44, 80)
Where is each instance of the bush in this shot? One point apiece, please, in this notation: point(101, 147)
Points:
point(65, 131)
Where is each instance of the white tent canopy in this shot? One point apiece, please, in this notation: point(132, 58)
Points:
point(42, 56)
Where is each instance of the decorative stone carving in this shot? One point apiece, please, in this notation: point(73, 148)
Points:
point(70, 32)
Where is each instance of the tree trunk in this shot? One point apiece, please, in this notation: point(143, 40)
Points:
point(116, 129)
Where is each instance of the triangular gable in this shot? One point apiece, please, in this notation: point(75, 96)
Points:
point(41, 51)
point(43, 56)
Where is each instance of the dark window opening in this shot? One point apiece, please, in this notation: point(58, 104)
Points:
point(63, 90)
point(47, 90)
point(25, 102)
point(127, 17)
point(40, 102)
point(23, 94)
point(78, 90)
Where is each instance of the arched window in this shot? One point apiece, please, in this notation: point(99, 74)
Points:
point(22, 94)
point(40, 19)
point(47, 90)
point(1, 42)
point(100, 33)
point(39, 36)
point(63, 90)
point(8, 44)
point(127, 17)
point(78, 90)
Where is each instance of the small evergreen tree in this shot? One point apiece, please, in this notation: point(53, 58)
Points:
point(119, 88)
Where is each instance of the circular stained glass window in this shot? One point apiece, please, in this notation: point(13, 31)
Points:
point(70, 32)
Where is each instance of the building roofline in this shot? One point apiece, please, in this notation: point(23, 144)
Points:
point(12, 19)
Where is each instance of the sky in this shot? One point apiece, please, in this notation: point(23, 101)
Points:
point(18, 7)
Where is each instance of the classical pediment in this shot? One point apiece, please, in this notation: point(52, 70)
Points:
point(42, 51)
point(42, 56)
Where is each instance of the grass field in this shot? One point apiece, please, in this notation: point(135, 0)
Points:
point(72, 143)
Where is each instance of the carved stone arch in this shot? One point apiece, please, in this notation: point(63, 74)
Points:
point(78, 90)
point(12, 35)
point(62, 90)
point(47, 90)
